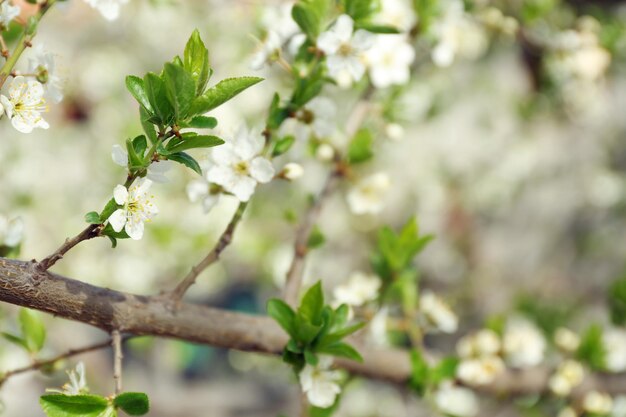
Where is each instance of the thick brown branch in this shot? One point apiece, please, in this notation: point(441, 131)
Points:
point(212, 257)
point(139, 315)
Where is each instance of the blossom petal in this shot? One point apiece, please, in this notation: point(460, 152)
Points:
point(134, 229)
point(261, 169)
point(120, 194)
point(117, 220)
point(119, 155)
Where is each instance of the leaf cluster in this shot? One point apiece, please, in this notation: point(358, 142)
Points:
point(314, 328)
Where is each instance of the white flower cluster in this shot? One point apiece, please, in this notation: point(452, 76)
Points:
point(480, 361)
point(237, 167)
point(358, 290)
point(368, 195)
point(137, 208)
point(24, 105)
point(456, 401)
point(77, 384)
point(320, 383)
point(436, 315)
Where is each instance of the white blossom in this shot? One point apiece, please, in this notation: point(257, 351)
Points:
point(109, 9)
point(292, 171)
point(389, 60)
point(368, 195)
point(316, 118)
point(457, 35)
point(484, 342)
point(325, 152)
point(344, 51)
point(320, 383)
point(237, 166)
point(8, 13)
point(25, 105)
point(43, 65)
point(568, 375)
point(456, 401)
point(378, 328)
point(198, 190)
point(137, 208)
point(77, 384)
point(360, 289)
point(437, 314)
point(566, 340)
point(280, 21)
point(156, 170)
point(11, 231)
point(268, 50)
point(523, 344)
point(480, 371)
point(597, 402)
point(614, 341)
point(394, 131)
point(396, 13)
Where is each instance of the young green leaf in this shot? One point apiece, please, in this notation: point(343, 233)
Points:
point(133, 403)
point(180, 88)
point(201, 122)
point(283, 314)
point(147, 125)
point(221, 93)
point(420, 372)
point(617, 302)
point(196, 61)
point(15, 340)
point(134, 160)
point(33, 329)
point(136, 87)
point(157, 94)
point(283, 145)
point(310, 358)
point(92, 218)
point(360, 9)
point(591, 349)
point(197, 141)
point(60, 405)
point(312, 304)
point(187, 160)
point(316, 238)
point(342, 349)
point(360, 148)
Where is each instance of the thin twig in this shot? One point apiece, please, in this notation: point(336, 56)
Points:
point(116, 342)
point(93, 230)
point(213, 256)
point(294, 277)
point(43, 363)
point(293, 281)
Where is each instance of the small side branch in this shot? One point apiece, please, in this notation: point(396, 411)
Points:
point(43, 363)
point(295, 273)
point(116, 342)
point(213, 256)
point(93, 230)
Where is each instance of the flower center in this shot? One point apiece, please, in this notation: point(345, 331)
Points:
point(242, 167)
point(345, 49)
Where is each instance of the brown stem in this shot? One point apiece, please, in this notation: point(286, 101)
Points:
point(295, 273)
point(116, 342)
point(213, 256)
point(41, 364)
point(93, 230)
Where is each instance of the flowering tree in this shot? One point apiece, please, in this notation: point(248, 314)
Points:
point(347, 79)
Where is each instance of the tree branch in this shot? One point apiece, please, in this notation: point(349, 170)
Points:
point(177, 294)
point(91, 231)
point(118, 356)
point(141, 315)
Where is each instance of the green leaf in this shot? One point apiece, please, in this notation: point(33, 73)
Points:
point(444, 370)
point(305, 331)
point(221, 93)
point(92, 218)
point(376, 28)
point(591, 349)
point(316, 238)
point(181, 89)
point(192, 142)
point(187, 160)
point(147, 125)
point(109, 208)
point(277, 114)
point(360, 148)
point(133, 403)
point(135, 161)
point(360, 9)
point(617, 302)
point(310, 357)
point(137, 88)
point(158, 96)
point(196, 61)
point(202, 122)
point(419, 372)
point(15, 340)
point(308, 87)
point(312, 304)
point(140, 144)
point(283, 145)
point(33, 329)
point(307, 19)
point(283, 314)
point(342, 349)
point(60, 405)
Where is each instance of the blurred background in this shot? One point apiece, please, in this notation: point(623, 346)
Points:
point(517, 170)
